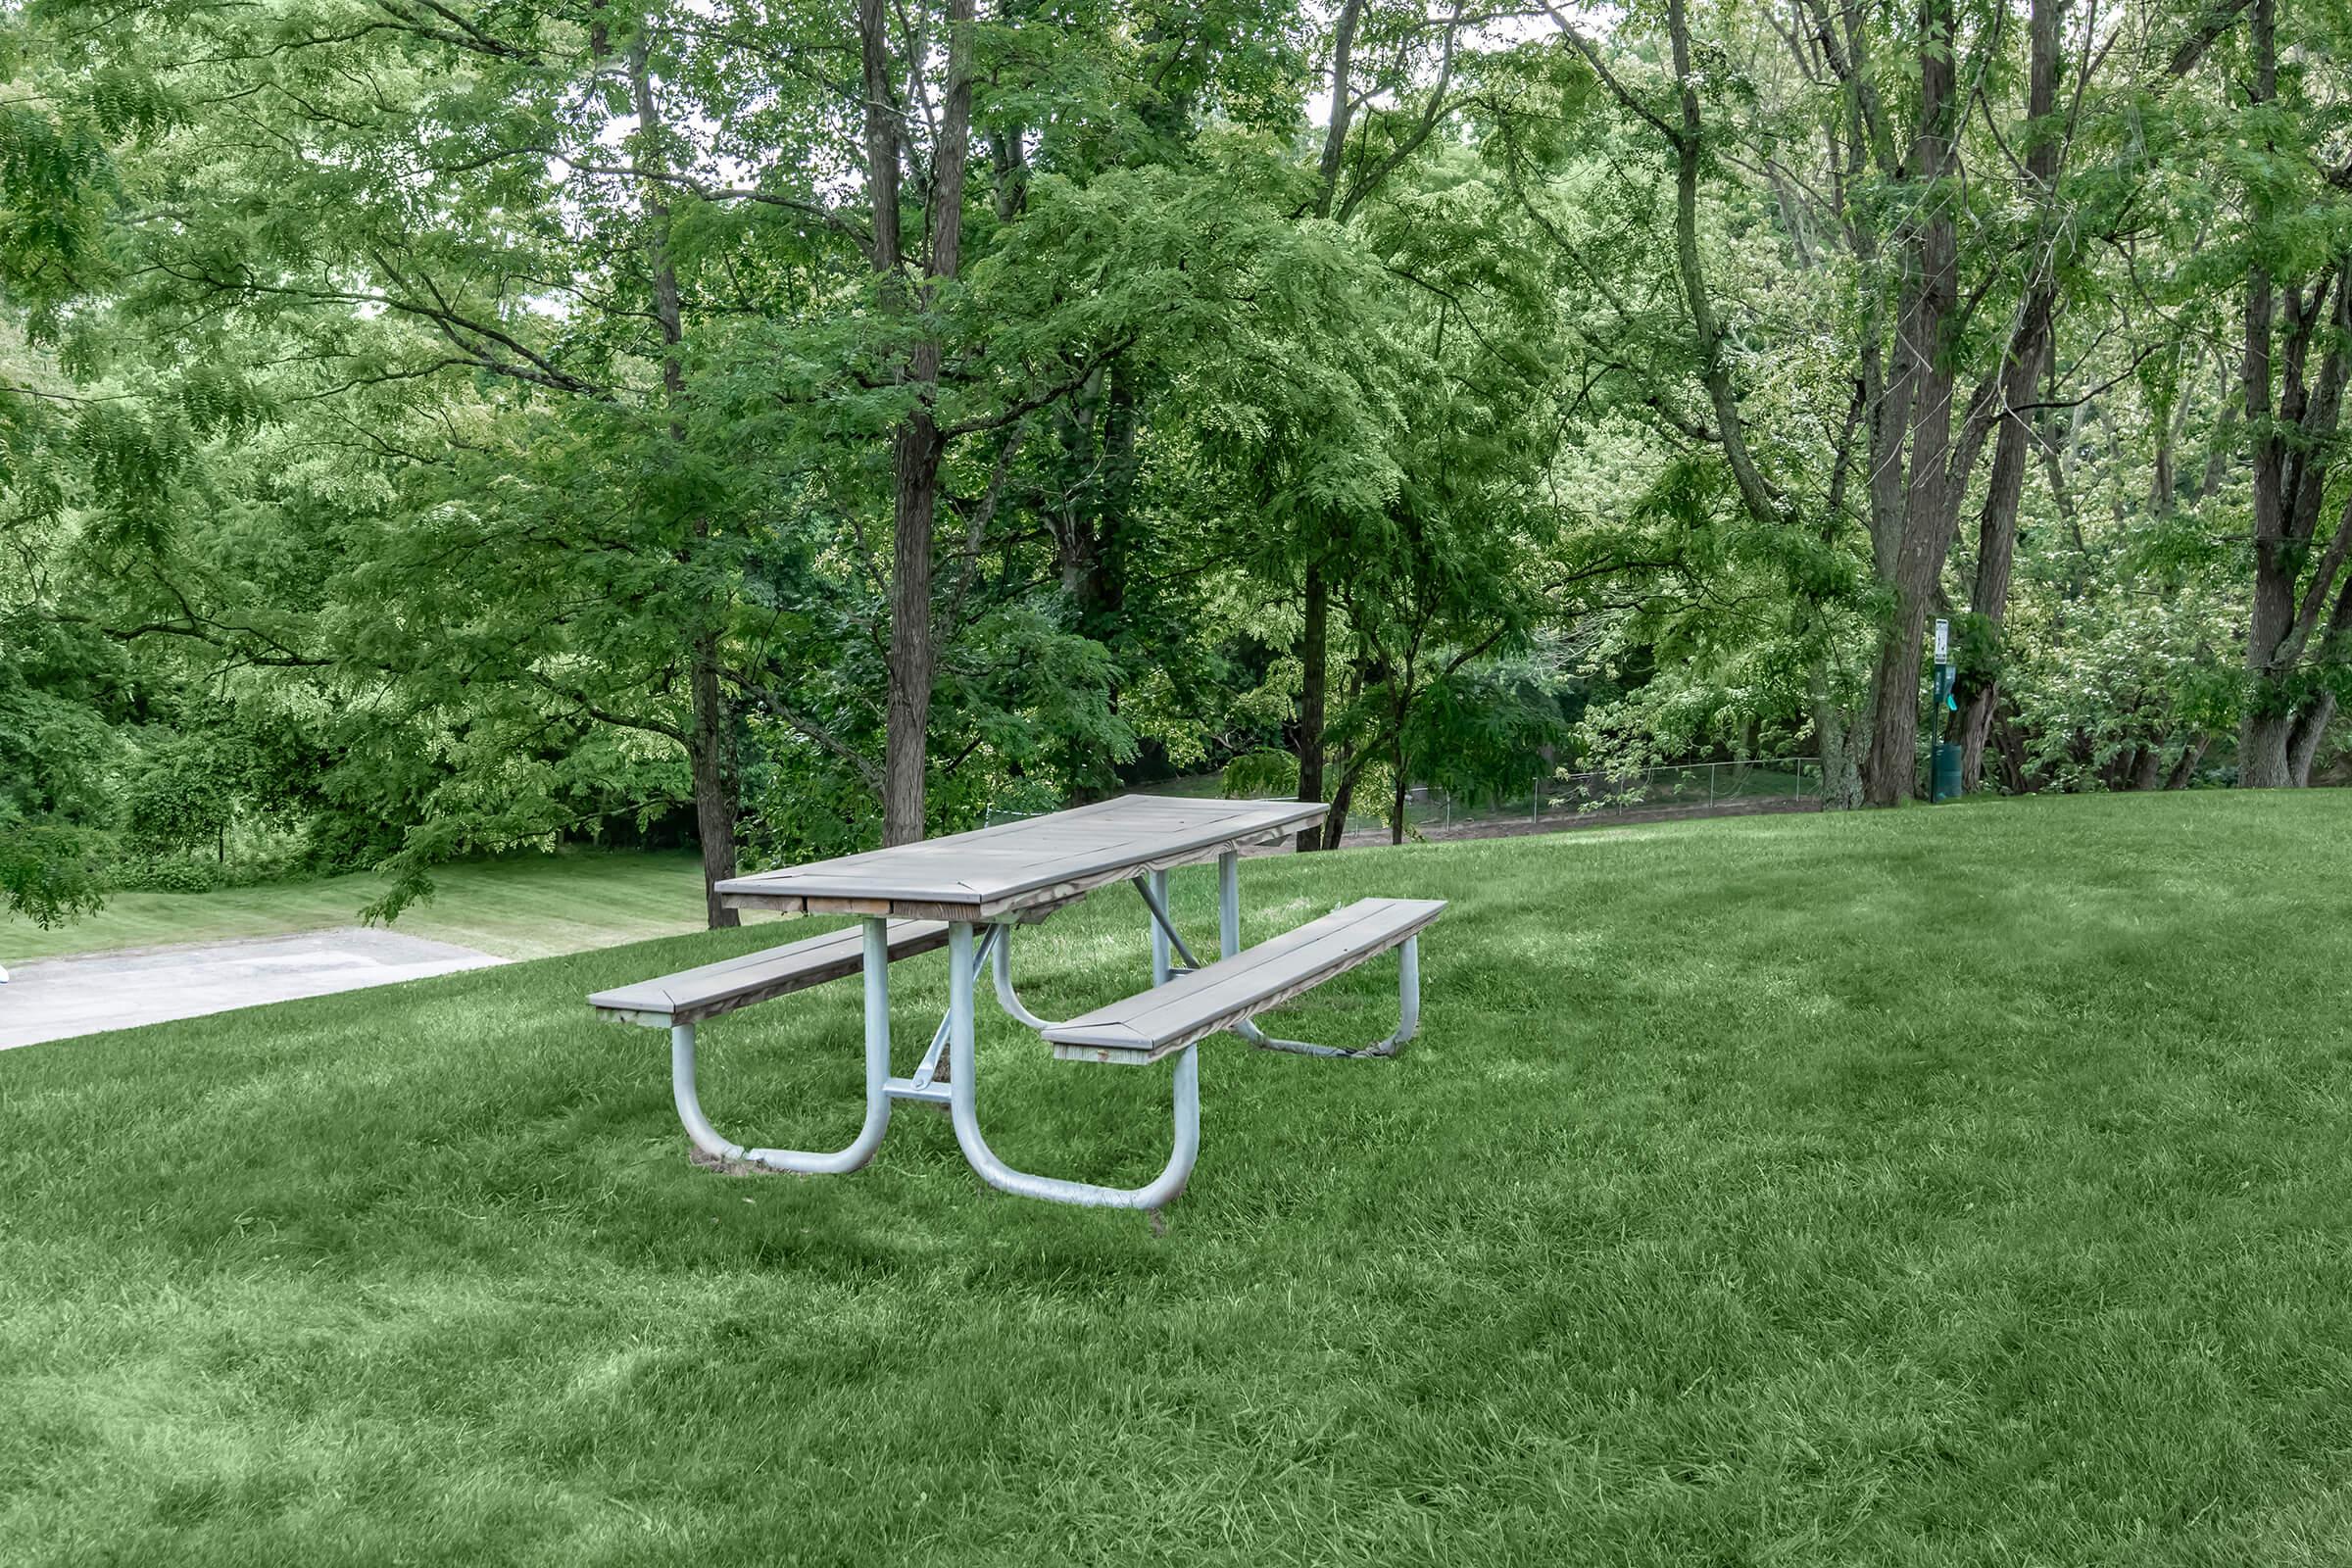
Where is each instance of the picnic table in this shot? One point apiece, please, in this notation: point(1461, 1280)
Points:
point(967, 893)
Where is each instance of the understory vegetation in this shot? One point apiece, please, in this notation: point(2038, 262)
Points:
point(1941, 1188)
point(431, 427)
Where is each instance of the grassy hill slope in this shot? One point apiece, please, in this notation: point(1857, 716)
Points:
point(1929, 1187)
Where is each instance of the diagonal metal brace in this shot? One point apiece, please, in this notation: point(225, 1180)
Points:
point(1159, 912)
point(929, 1068)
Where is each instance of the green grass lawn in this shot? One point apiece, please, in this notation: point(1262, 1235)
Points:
point(520, 907)
point(1918, 1188)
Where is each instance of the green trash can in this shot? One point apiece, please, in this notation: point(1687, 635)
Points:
point(1947, 773)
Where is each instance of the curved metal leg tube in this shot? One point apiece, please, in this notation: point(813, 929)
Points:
point(1409, 1004)
point(798, 1161)
point(1001, 970)
point(964, 1109)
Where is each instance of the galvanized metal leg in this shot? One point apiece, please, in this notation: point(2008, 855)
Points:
point(802, 1162)
point(1229, 904)
point(964, 1109)
point(1229, 943)
point(1408, 1001)
point(1154, 888)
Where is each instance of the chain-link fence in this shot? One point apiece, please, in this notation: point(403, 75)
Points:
point(1681, 789)
point(1744, 784)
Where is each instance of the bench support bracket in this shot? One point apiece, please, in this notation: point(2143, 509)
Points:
point(964, 1109)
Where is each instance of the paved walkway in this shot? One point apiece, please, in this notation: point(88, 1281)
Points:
point(56, 998)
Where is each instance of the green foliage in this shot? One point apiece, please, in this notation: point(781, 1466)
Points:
point(430, 435)
point(48, 874)
point(182, 794)
point(164, 874)
point(1261, 776)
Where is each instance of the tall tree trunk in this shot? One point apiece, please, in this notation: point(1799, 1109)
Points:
point(2184, 766)
point(1840, 777)
point(1335, 820)
point(1714, 373)
point(1350, 765)
point(1996, 551)
point(1314, 631)
point(1315, 685)
point(2223, 445)
point(1996, 524)
point(1008, 162)
point(2262, 761)
point(915, 454)
point(714, 779)
point(1941, 458)
point(1343, 104)
point(2293, 431)
point(711, 740)
point(2303, 743)
point(918, 446)
point(2014, 778)
point(1924, 356)
point(1397, 783)
point(1094, 530)
point(1094, 533)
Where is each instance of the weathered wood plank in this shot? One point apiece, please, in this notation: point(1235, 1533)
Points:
point(829, 906)
point(1155, 1023)
point(707, 992)
point(778, 902)
point(995, 870)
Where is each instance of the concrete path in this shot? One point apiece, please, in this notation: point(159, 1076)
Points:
point(56, 998)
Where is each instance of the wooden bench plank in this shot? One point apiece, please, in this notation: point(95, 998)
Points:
point(1155, 1023)
point(712, 988)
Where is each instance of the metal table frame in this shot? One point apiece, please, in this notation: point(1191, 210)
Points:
point(973, 938)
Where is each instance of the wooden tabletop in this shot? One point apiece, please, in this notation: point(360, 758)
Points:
point(1029, 865)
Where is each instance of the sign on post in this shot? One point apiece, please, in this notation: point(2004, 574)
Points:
point(1944, 640)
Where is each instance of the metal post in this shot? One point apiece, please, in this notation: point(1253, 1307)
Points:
point(1229, 904)
point(1408, 989)
point(1157, 883)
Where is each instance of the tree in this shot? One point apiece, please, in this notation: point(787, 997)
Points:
point(2297, 240)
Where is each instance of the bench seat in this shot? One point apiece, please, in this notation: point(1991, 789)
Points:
point(1166, 1018)
point(718, 988)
